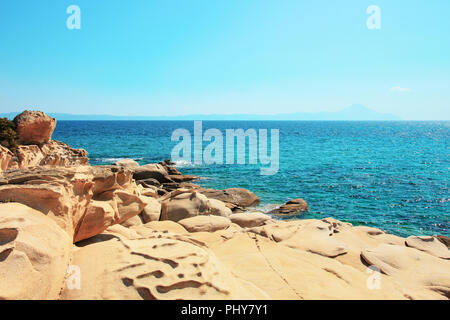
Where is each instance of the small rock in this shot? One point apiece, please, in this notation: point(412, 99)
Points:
point(291, 207)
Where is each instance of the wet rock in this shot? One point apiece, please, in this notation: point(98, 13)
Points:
point(293, 206)
point(236, 196)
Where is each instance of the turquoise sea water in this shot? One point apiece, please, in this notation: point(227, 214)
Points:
point(390, 175)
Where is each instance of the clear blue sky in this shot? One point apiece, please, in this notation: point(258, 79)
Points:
point(148, 57)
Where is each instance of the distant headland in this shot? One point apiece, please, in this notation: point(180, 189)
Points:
point(354, 112)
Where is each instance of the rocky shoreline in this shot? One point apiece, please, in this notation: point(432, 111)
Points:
point(72, 231)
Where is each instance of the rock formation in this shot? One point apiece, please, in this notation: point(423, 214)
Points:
point(72, 231)
point(35, 130)
point(34, 127)
point(83, 200)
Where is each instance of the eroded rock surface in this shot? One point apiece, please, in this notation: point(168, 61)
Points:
point(186, 204)
point(82, 200)
point(34, 254)
point(148, 264)
point(34, 127)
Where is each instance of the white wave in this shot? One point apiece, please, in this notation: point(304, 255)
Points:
point(113, 160)
point(183, 163)
point(267, 207)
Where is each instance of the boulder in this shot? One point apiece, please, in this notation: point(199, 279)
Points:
point(34, 254)
point(152, 210)
point(293, 206)
point(152, 171)
point(249, 219)
point(182, 204)
point(34, 127)
point(179, 178)
point(236, 196)
point(127, 163)
point(205, 223)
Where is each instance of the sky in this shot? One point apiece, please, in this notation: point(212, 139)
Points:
point(160, 57)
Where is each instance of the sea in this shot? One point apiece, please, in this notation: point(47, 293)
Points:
point(389, 175)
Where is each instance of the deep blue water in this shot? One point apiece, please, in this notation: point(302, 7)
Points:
point(390, 175)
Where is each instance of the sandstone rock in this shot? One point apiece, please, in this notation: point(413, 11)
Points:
point(316, 237)
point(309, 235)
point(291, 207)
point(218, 208)
point(152, 210)
point(34, 127)
point(182, 178)
point(83, 200)
point(153, 171)
point(161, 226)
point(429, 245)
point(236, 196)
point(160, 266)
point(249, 219)
point(149, 182)
point(57, 153)
point(420, 273)
point(173, 171)
point(53, 153)
point(118, 207)
point(34, 254)
point(182, 204)
point(127, 163)
point(133, 222)
point(7, 159)
point(445, 240)
point(205, 223)
point(293, 274)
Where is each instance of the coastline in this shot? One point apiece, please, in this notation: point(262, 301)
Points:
point(149, 232)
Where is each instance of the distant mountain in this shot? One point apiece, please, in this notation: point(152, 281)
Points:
point(354, 113)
